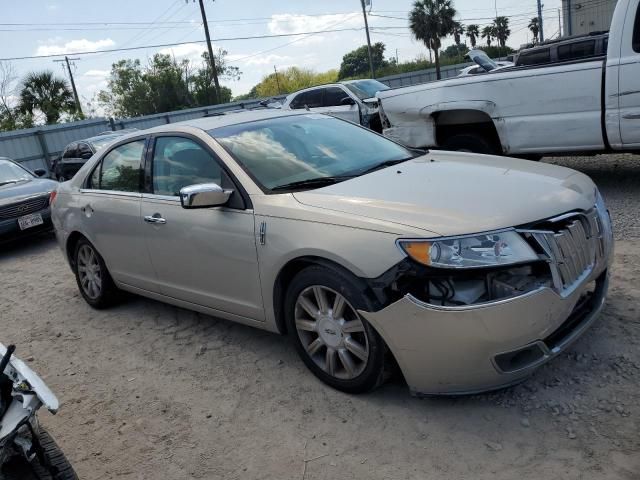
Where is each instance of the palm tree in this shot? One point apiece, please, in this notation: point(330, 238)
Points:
point(458, 32)
point(45, 92)
point(488, 33)
point(431, 21)
point(473, 32)
point(501, 30)
point(534, 26)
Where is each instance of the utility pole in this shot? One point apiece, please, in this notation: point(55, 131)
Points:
point(277, 79)
point(366, 27)
point(73, 84)
point(559, 25)
point(212, 61)
point(541, 32)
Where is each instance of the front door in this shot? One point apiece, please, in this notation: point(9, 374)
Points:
point(629, 82)
point(332, 99)
point(202, 256)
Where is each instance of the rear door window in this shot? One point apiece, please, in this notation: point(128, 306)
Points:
point(577, 50)
point(535, 57)
point(121, 168)
point(311, 99)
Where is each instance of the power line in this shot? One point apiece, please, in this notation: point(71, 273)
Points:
point(163, 45)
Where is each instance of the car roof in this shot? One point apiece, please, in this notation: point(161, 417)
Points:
point(228, 119)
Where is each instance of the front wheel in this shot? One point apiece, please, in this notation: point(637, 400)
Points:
point(335, 343)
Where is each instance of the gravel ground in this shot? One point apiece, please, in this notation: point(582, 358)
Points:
point(150, 391)
point(618, 177)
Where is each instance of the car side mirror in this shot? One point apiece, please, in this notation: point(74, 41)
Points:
point(86, 155)
point(40, 172)
point(347, 101)
point(204, 195)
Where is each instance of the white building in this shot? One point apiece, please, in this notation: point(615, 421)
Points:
point(584, 16)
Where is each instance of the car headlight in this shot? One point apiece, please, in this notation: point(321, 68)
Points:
point(470, 251)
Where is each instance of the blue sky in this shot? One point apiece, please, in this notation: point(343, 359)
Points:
point(228, 18)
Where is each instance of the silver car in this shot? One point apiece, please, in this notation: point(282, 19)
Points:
point(467, 271)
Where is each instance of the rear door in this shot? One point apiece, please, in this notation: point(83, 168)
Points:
point(629, 79)
point(203, 256)
point(110, 210)
point(332, 98)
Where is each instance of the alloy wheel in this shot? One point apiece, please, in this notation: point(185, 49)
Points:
point(331, 332)
point(89, 272)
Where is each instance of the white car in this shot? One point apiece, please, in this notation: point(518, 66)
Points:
point(352, 100)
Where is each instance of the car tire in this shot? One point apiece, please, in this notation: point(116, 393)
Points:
point(470, 142)
point(342, 350)
point(94, 280)
point(57, 460)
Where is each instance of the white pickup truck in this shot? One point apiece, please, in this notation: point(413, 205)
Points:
point(587, 105)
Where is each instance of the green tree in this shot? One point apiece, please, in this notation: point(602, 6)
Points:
point(488, 33)
point(458, 32)
point(534, 27)
point(44, 92)
point(454, 52)
point(501, 30)
point(473, 32)
point(356, 62)
point(291, 80)
point(163, 85)
point(430, 21)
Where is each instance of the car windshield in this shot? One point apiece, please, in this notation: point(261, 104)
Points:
point(483, 60)
point(281, 151)
point(100, 143)
point(366, 88)
point(12, 173)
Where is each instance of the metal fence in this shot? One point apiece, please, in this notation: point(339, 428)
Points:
point(36, 147)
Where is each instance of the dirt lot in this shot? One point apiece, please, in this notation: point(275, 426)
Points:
point(151, 391)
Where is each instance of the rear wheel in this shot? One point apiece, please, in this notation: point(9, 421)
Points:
point(93, 278)
point(336, 344)
point(470, 142)
point(60, 469)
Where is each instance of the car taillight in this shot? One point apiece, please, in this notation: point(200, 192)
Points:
point(52, 197)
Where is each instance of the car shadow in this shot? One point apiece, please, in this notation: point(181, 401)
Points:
point(32, 245)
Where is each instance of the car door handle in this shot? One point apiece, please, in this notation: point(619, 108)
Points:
point(631, 116)
point(157, 219)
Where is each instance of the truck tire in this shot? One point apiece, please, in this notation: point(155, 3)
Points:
point(59, 463)
point(470, 142)
point(18, 468)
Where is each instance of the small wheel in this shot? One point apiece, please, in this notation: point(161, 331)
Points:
point(94, 281)
point(470, 142)
point(336, 344)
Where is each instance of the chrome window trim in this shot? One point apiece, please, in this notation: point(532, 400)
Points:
point(116, 193)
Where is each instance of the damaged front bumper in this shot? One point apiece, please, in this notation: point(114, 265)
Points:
point(462, 349)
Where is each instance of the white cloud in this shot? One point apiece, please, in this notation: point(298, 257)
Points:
point(272, 59)
point(54, 47)
point(292, 23)
point(97, 73)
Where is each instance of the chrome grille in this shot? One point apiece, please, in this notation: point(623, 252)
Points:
point(574, 248)
point(25, 207)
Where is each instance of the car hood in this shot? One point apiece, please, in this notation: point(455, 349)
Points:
point(15, 192)
point(453, 193)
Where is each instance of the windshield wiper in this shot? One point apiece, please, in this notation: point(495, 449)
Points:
point(385, 164)
point(312, 183)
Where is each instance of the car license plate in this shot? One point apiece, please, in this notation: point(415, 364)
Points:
point(29, 221)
